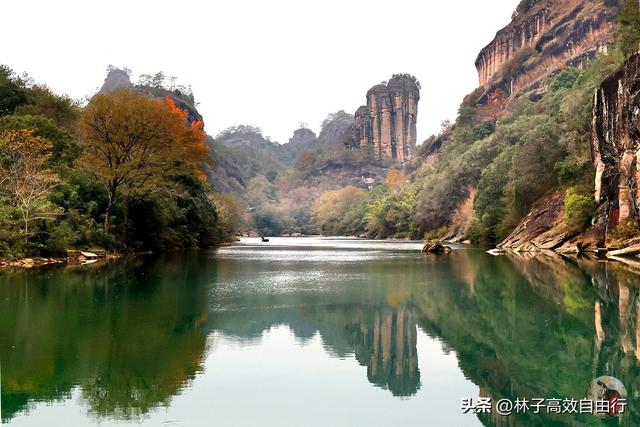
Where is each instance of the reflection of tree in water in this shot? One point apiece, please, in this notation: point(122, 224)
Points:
point(128, 335)
point(541, 326)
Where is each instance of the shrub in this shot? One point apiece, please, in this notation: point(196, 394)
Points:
point(477, 232)
point(484, 130)
point(570, 170)
point(579, 208)
point(525, 5)
point(435, 234)
point(627, 230)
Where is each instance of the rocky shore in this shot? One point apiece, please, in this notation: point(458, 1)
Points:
point(74, 257)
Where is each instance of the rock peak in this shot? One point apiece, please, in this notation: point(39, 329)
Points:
point(117, 78)
point(388, 122)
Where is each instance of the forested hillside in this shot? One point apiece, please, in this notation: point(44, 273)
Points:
point(513, 147)
point(124, 172)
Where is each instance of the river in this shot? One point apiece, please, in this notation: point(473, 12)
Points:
point(310, 331)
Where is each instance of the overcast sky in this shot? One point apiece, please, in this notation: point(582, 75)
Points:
point(272, 64)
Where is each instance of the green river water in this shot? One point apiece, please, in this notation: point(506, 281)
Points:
point(308, 331)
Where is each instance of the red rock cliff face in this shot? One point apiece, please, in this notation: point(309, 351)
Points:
point(616, 144)
point(388, 121)
point(549, 36)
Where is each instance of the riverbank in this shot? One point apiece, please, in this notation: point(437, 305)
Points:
point(74, 257)
point(30, 262)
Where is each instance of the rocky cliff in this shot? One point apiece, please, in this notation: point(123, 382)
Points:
point(548, 36)
point(616, 144)
point(615, 150)
point(388, 122)
point(118, 78)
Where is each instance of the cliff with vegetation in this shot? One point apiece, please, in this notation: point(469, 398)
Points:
point(604, 215)
point(543, 37)
point(515, 168)
point(154, 87)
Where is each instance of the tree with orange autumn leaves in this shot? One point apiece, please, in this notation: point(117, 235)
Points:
point(134, 145)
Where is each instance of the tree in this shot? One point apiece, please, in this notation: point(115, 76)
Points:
point(231, 213)
point(63, 151)
point(628, 35)
point(340, 211)
point(138, 144)
point(25, 179)
point(62, 110)
point(396, 177)
point(579, 208)
point(158, 79)
point(12, 92)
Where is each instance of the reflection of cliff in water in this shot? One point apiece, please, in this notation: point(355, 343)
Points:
point(387, 347)
point(540, 326)
point(382, 338)
point(365, 315)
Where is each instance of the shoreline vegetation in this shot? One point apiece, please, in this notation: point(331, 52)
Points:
point(125, 173)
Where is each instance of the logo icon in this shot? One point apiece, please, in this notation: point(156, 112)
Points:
point(609, 396)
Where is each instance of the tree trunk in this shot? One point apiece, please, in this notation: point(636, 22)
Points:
point(126, 221)
point(113, 188)
point(106, 216)
point(26, 229)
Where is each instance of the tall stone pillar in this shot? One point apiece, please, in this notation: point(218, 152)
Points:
point(388, 122)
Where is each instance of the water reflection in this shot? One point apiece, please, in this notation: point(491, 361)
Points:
point(129, 337)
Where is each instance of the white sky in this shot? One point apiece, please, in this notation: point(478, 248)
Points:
point(271, 64)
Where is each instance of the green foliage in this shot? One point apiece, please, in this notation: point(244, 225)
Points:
point(231, 214)
point(42, 102)
point(12, 91)
point(11, 242)
point(534, 149)
point(628, 34)
point(531, 173)
point(266, 221)
point(435, 234)
point(489, 203)
point(579, 208)
point(525, 5)
point(165, 220)
point(564, 80)
point(571, 170)
point(341, 212)
point(65, 150)
point(478, 233)
point(483, 130)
